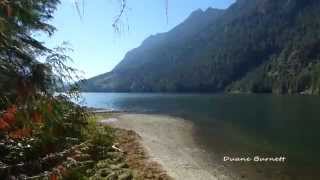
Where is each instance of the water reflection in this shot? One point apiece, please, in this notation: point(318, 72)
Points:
point(252, 123)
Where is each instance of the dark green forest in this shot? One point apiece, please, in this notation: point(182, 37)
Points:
point(43, 135)
point(263, 46)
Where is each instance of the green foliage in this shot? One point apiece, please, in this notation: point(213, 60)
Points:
point(34, 120)
point(18, 49)
point(76, 174)
point(29, 84)
point(101, 137)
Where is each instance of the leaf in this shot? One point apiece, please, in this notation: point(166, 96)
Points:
point(3, 125)
point(20, 133)
point(10, 115)
point(37, 117)
point(53, 177)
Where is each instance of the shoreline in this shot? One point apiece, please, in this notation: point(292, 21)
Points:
point(171, 145)
point(136, 156)
point(169, 141)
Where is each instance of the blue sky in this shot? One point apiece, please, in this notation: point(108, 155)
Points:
point(97, 48)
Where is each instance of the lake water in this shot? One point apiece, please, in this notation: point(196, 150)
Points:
point(236, 125)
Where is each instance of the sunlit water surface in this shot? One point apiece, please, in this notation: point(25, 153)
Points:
point(236, 125)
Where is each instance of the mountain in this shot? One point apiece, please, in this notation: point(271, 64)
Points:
point(261, 46)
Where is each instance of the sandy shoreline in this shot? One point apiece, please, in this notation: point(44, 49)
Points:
point(169, 142)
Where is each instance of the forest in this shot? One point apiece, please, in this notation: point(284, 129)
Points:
point(44, 134)
point(251, 47)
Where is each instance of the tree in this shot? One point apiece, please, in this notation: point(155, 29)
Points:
point(30, 73)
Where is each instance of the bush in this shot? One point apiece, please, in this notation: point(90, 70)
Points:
point(101, 137)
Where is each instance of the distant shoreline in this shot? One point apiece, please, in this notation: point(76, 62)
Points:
point(206, 93)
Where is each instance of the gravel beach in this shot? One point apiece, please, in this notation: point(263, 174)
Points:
point(168, 141)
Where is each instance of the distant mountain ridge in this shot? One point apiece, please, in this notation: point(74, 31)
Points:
point(262, 46)
point(197, 21)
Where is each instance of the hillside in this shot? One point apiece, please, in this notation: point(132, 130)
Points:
point(258, 46)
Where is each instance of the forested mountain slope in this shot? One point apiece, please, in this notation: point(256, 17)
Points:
point(253, 46)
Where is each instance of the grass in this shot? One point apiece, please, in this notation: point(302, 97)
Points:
point(107, 163)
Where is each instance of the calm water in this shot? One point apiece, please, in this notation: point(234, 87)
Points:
point(240, 124)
